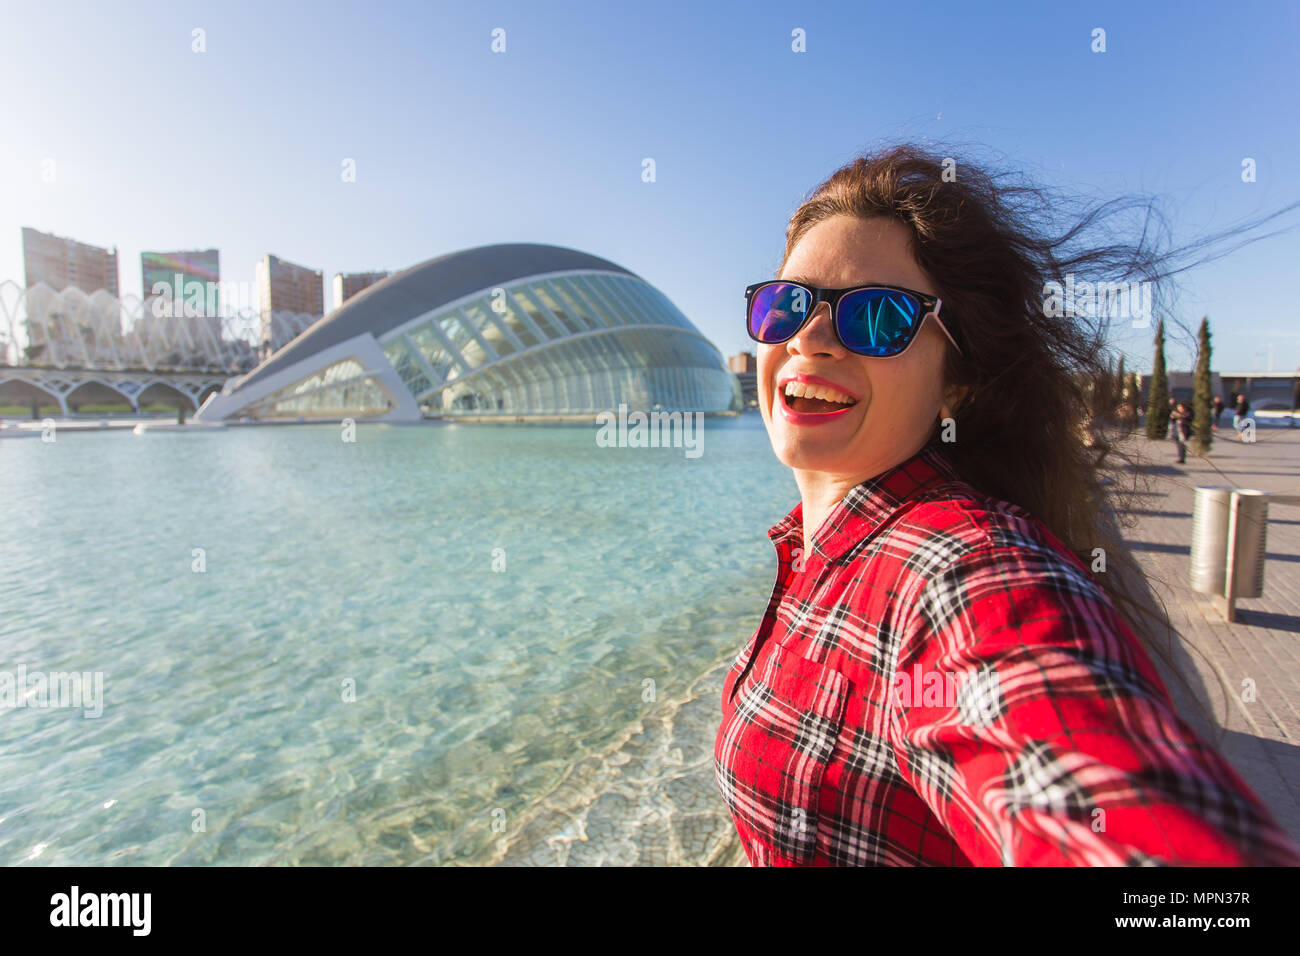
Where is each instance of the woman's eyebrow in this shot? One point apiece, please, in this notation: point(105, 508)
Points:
point(807, 281)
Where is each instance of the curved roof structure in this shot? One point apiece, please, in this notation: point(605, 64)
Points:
point(516, 329)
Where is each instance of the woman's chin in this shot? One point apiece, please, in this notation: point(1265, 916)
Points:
point(805, 453)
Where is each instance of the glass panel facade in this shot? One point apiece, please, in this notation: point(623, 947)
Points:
point(463, 340)
point(505, 313)
point(492, 332)
point(631, 305)
point(551, 328)
point(641, 368)
point(657, 304)
point(570, 344)
point(546, 297)
point(576, 303)
point(341, 390)
point(615, 313)
point(408, 367)
point(444, 364)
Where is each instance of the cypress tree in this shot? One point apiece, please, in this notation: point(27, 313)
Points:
point(1202, 399)
point(1134, 395)
point(1158, 403)
point(1121, 382)
point(1098, 391)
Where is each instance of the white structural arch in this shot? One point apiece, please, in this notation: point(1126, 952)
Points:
point(42, 327)
point(44, 386)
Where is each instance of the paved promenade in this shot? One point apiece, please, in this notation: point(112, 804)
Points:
point(1260, 737)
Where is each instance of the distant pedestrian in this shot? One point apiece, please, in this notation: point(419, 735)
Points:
point(1218, 411)
point(1240, 413)
point(1180, 424)
point(1173, 407)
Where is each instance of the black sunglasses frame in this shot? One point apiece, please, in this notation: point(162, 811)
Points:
point(931, 304)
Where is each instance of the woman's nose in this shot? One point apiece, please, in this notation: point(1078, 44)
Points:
point(816, 337)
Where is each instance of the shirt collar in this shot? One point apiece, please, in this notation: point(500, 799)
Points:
point(868, 505)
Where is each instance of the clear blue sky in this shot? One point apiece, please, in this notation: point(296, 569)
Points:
point(240, 147)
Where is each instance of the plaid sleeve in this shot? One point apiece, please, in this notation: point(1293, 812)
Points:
point(1027, 716)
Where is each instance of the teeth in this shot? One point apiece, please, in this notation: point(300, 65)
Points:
point(800, 390)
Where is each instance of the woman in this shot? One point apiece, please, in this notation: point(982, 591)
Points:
point(1240, 413)
point(939, 679)
point(1180, 425)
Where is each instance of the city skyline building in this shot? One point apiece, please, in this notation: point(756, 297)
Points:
point(348, 284)
point(744, 365)
point(743, 362)
point(193, 266)
point(60, 263)
point(182, 303)
point(286, 289)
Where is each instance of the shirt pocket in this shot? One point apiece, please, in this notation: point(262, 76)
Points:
point(779, 740)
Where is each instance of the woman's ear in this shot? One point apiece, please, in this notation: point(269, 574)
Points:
point(955, 396)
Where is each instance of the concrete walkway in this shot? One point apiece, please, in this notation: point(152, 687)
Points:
point(1260, 737)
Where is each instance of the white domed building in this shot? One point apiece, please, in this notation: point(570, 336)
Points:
point(517, 330)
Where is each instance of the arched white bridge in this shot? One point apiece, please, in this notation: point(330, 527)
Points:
point(70, 388)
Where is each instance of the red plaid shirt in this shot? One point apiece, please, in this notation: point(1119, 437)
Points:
point(943, 683)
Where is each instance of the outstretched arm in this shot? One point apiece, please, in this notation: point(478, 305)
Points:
point(1056, 742)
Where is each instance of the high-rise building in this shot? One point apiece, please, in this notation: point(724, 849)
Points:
point(290, 297)
point(182, 306)
point(745, 367)
point(201, 267)
point(61, 263)
point(743, 362)
point(348, 284)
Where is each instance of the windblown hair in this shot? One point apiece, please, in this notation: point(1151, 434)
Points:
point(1036, 427)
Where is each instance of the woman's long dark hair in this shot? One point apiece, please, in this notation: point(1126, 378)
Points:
point(1035, 427)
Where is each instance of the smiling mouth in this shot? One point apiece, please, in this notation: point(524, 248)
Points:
point(814, 399)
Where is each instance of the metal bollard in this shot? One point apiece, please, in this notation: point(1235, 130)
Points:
point(1210, 538)
point(1222, 516)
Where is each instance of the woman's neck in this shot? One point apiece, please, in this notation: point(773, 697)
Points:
point(821, 493)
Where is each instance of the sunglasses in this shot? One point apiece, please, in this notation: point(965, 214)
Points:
point(876, 320)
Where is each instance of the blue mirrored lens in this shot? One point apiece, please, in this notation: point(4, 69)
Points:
point(878, 321)
point(776, 311)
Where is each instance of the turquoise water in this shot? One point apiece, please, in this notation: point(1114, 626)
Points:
point(349, 680)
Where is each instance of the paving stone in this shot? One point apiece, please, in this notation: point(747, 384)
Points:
point(1263, 645)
